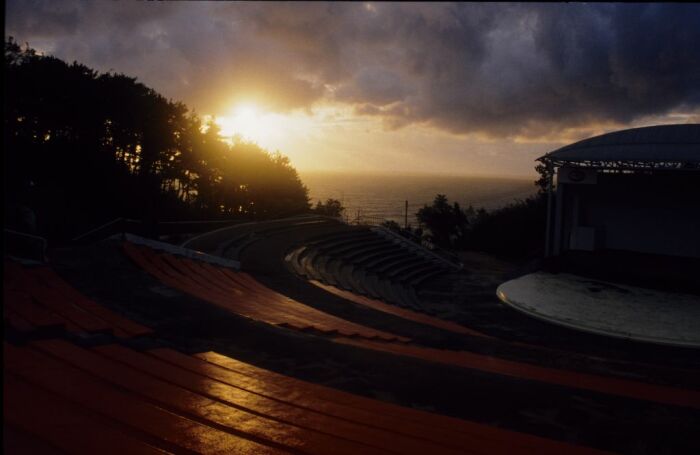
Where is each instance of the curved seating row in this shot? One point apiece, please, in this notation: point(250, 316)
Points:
point(231, 241)
point(61, 397)
point(401, 312)
point(37, 299)
point(362, 261)
point(64, 395)
point(241, 294)
point(448, 259)
point(574, 379)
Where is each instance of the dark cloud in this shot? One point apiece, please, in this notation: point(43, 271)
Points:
point(500, 70)
point(375, 86)
point(37, 18)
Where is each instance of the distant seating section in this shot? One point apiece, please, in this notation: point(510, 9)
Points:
point(61, 397)
point(36, 299)
point(229, 242)
point(241, 294)
point(370, 264)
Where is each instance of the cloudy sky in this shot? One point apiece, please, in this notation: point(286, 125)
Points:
point(409, 87)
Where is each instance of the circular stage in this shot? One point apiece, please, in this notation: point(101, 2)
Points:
point(606, 308)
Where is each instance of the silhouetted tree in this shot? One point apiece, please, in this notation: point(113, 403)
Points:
point(332, 207)
point(81, 148)
point(542, 182)
point(516, 230)
point(446, 223)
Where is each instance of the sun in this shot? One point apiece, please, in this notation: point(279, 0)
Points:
point(289, 132)
point(246, 120)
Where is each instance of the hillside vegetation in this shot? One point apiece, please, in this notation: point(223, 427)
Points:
point(82, 148)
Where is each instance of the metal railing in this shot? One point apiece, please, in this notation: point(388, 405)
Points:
point(163, 228)
point(24, 246)
point(378, 222)
point(366, 218)
point(115, 226)
point(428, 248)
point(182, 251)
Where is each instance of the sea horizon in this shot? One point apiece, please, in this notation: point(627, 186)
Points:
point(377, 196)
point(407, 173)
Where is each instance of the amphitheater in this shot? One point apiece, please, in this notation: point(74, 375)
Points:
point(308, 335)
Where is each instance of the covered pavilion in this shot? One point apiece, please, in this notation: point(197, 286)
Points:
point(623, 233)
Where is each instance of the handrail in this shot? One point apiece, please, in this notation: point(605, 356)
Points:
point(104, 227)
point(214, 240)
point(34, 247)
point(119, 225)
point(453, 261)
point(179, 250)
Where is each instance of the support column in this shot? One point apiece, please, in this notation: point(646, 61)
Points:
point(548, 227)
point(558, 219)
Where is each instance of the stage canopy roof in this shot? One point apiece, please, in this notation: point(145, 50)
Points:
point(663, 146)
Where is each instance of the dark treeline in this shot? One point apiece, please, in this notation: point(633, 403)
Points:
point(82, 148)
point(516, 230)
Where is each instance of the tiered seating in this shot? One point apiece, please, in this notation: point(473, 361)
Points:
point(241, 294)
point(37, 299)
point(231, 241)
point(367, 263)
point(67, 393)
point(233, 248)
point(401, 312)
point(492, 364)
point(609, 385)
point(112, 399)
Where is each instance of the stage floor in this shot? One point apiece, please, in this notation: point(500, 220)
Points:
point(606, 308)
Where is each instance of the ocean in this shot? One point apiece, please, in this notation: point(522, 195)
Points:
point(374, 197)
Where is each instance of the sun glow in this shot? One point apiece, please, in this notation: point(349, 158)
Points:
point(251, 123)
point(292, 133)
